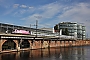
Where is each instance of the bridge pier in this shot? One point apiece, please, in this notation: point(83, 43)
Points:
point(0, 45)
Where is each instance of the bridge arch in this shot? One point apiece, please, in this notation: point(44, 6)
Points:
point(8, 45)
point(25, 44)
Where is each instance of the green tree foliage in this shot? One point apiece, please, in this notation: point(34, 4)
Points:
point(65, 31)
point(56, 28)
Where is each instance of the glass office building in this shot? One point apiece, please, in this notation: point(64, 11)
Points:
point(73, 29)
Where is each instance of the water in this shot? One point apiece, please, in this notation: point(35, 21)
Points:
point(68, 53)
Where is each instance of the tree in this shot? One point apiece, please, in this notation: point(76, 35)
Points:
point(56, 28)
point(65, 31)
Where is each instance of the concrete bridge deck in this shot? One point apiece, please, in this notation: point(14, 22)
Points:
point(17, 42)
point(20, 36)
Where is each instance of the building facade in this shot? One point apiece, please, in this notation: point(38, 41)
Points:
point(72, 29)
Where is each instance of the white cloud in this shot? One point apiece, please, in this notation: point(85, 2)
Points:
point(15, 5)
point(23, 6)
point(32, 18)
point(44, 12)
point(22, 10)
point(30, 7)
point(78, 13)
point(50, 10)
point(54, 13)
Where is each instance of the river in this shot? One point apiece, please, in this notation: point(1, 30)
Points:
point(60, 53)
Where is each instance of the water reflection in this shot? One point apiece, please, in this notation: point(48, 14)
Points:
point(69, 53)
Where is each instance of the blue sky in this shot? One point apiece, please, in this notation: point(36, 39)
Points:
point(47, 12)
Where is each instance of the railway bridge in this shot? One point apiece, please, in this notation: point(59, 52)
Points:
point(17, 42)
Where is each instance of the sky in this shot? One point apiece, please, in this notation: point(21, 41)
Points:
point(47, 12)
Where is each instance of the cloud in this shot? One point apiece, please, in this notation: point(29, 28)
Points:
point(32, 18)
point(54, 13)
point(23, 6)
point(78, 13)
point(30, 7)
point(45, 12)
point(20, 10)
point(15, 5)
point(50, 10)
